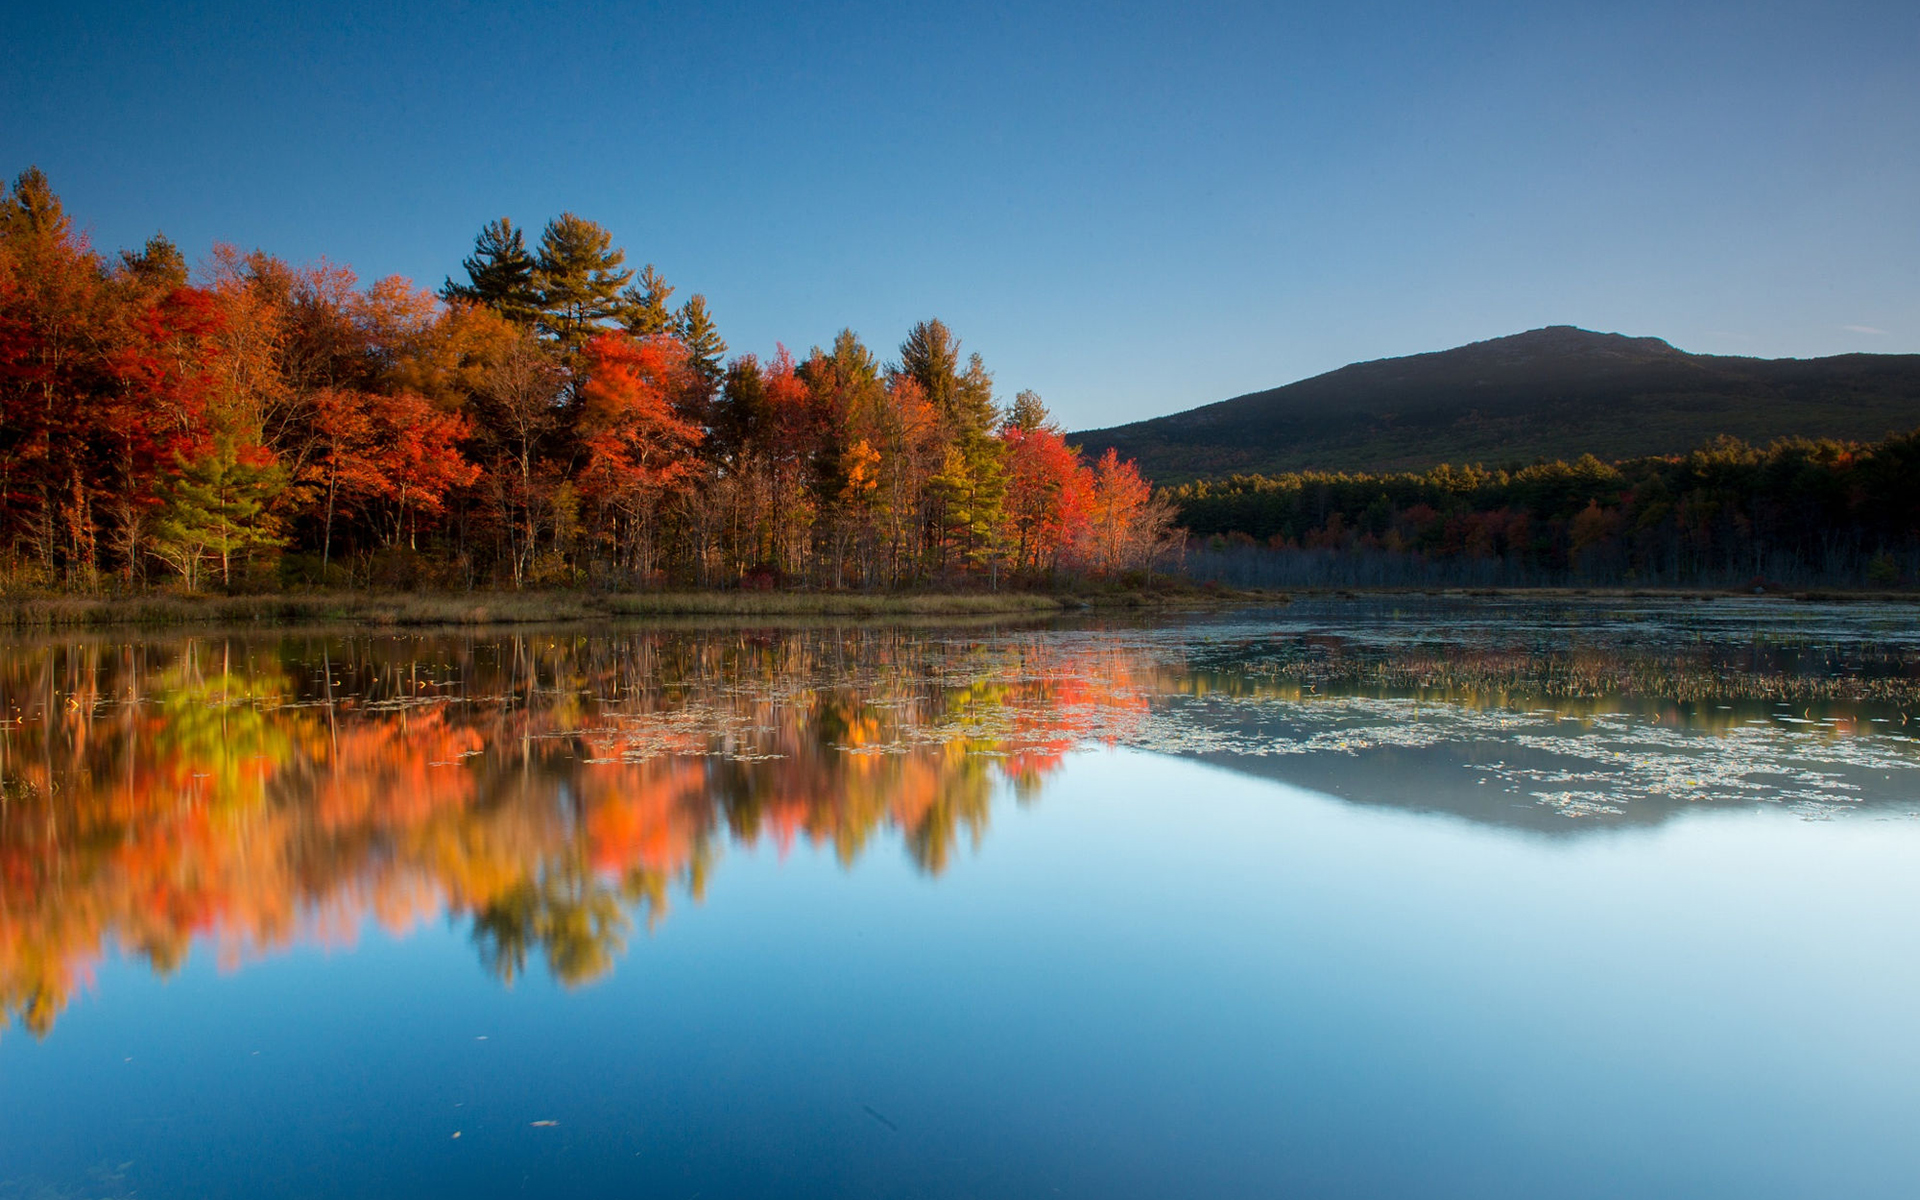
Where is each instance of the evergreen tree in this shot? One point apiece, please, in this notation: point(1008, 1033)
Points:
point(647, 313)
point(931, 357)
point(32, 211)
point(499, 273)
point(214, 511)
point(1028, 415)
point(578, 276)
point(849, 396)
point(971, 485)
point(853, 363)
point(971, 409)
point(983, 528)
point(159, 265)
point(704, 345)
point(740, 415)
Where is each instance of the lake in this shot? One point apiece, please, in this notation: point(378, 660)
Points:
point(1369, 897)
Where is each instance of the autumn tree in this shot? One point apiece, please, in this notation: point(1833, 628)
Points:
point(160, 406)
point(422, 463)
point(788, 451)
point(904, 432)
point(848, 396)
point(1048, 488)
point(637, 447)
point(518, 418)
point(733, 521)
point(444, 354)
point(104, 378)
point(290, 335)
point(1127, 525)
point(52, 313)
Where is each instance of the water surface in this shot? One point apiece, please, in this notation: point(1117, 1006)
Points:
point(1348, 898)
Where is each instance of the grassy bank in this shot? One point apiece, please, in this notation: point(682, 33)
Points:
point(546, 607)
point(511, 608)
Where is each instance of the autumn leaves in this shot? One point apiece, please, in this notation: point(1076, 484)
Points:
point(553, 419)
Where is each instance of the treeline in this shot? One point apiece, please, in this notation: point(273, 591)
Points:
point(553, 419)
point(1797, 512)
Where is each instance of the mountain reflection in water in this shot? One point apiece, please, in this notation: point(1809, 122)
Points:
point(552, 790)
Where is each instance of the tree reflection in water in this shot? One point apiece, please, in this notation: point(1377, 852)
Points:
point(553, 790)
point(549, 789)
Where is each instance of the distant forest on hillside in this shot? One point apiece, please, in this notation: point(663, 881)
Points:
point(1800, 512)
point(549, 420)
point(1554, 393)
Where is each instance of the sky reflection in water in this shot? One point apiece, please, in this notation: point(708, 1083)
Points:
point(1613, 900)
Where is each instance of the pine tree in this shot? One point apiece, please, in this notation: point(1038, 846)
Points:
point(971, 410)
point(500, 273)
point(1028, 415)
point(931, 357)
point(578, 276)
point(702, 339)
point(647, 314)
point(32, 211)
point(984, 540)
point(853, 363)
point(214, 509)
point(972, 482)
point(159, 265)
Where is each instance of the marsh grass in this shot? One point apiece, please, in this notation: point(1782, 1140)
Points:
point(551, 607)
point(517, 608)
point(851, 604)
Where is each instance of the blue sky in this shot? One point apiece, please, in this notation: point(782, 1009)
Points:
point(1131, 209)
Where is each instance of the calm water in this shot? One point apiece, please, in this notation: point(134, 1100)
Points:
point(1342, 899)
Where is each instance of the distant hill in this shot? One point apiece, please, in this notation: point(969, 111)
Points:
point(1558, 392)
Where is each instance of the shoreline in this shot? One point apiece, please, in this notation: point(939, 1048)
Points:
point(552, 607)
point(380, 610)
point(1608, 592)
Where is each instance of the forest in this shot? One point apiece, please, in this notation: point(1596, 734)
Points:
point(248, 424)
point(1796, 513)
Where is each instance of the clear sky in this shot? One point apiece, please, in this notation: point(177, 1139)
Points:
point(1131, 209)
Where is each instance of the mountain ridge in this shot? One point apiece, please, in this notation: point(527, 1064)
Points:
point(1554, 392)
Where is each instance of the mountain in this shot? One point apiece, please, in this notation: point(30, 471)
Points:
point(1558, 392)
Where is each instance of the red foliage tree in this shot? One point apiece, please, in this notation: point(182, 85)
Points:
point(158, 412)
point(638, 446)
point(1048, 489)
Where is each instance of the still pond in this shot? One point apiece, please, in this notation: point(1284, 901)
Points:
point(1370, 897)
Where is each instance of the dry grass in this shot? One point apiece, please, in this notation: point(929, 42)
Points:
point(496, 608)
point(526, 608)
point(831, 604)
